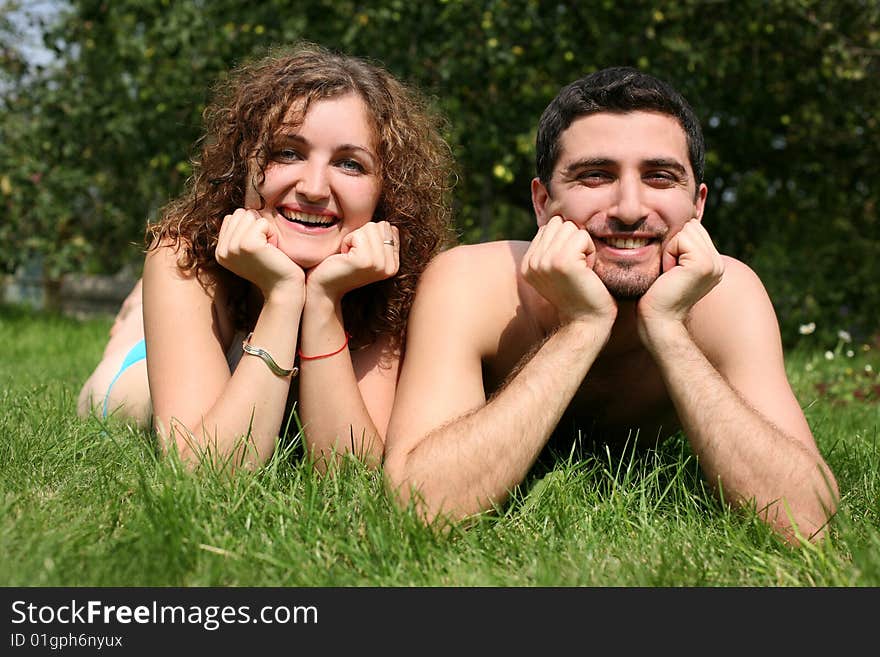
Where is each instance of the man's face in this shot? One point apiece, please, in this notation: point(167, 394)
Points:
point(627, 179)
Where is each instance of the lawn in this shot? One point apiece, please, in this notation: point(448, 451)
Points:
point(89, 503)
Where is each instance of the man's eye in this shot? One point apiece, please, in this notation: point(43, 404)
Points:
point(594, 177)
point(661, 177)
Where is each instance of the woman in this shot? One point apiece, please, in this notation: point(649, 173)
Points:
point(285, 272)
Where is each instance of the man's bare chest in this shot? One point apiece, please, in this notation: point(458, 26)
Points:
point(620, 397)
point(622, 394)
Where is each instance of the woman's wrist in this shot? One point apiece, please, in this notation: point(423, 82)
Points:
point(321, 301)
point(322, 329)
point(286, 293)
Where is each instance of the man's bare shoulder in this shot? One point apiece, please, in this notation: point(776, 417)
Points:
point(470, 272)
point(736, 313)
point(740, 286)
point(472, 290)
point(497, 261)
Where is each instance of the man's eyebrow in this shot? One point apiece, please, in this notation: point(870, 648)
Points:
point(599, 162)
point(585, 163)
point(666, 163)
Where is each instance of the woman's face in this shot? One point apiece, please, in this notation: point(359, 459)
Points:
point(322, 180)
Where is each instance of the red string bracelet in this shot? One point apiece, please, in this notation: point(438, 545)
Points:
point(332, 353)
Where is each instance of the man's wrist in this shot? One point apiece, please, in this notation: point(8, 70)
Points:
point(588, 330)
point(659, 335)
point(598, 320)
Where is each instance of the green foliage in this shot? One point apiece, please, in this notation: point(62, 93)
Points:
point(95, 144)
point(843, 374)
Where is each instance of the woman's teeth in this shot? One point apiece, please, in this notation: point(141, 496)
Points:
point(308, 219)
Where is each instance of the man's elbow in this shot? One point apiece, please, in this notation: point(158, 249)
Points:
point(407, 489)
point(396, 475)
point(827, 500)
point(808, 521)
point(809, 526)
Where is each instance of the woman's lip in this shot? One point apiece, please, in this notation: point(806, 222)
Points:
point(309, 223)
point(316, 229)
point(304, 209)
point(290, 211)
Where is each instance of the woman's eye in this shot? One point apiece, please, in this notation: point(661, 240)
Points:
point(350, 165)
point(285, 155)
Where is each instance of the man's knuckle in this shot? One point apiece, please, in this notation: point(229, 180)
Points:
point(558, 262)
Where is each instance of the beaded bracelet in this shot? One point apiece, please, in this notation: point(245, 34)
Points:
point(266, 357)
point(332, 353)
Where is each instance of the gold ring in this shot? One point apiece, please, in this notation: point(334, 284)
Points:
point(388, 242)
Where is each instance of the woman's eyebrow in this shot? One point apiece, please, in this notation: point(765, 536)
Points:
point(290, 135)
point(355, 147)
point(348, 148)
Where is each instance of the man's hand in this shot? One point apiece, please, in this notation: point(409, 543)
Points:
point(692, 266)
point(247, 246)
point(369, 254)
point(559, 265)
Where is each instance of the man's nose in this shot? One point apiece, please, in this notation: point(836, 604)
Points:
point(313, 182)
point(628, 203)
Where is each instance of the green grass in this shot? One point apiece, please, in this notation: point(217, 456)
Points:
point(88, 503)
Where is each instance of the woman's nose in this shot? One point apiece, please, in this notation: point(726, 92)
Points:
point(313, 182)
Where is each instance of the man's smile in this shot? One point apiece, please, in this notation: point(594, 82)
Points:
point(626, 242)
point(629, 247)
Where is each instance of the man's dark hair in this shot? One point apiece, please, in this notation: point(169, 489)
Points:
point(620, 89)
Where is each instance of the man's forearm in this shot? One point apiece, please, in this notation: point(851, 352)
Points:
point(740, 452)
point(474, 461)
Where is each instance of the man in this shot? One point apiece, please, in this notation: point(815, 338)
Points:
point(620, 317)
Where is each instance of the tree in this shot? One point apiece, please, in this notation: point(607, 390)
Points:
point(785, 90)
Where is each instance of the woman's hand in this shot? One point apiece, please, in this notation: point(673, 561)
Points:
point(369, 254)
point(247, 246)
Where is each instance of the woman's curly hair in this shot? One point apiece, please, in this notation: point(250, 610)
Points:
point(248, 109)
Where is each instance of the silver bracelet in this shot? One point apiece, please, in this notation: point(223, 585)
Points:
point(266, 358)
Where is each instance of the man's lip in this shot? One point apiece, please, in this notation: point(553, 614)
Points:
point(611, 253)
point(623, 236)
point(619, 240)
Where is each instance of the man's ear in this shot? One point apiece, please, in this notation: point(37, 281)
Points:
point(700, 203)
point(540, 201)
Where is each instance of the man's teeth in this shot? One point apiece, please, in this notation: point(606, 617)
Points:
point(626, 243)
point(309, 219)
